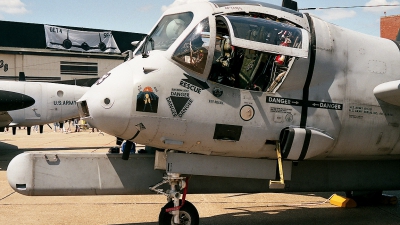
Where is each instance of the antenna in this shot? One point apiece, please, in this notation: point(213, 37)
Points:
point(290, 4)
point(350, 7)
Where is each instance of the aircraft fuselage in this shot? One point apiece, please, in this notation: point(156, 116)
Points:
point(38, 103)
point(326, 86)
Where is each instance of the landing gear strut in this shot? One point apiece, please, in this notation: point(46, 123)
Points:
point(176, 211)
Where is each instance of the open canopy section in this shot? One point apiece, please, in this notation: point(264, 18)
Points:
point(267, 35)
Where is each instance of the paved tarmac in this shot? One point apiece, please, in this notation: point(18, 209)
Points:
point(299, 208)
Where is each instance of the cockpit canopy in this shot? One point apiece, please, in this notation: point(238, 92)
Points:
point(243, 50)
point(265, 35)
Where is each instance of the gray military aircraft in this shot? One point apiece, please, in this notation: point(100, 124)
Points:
point(242, 97)
point(25, 104)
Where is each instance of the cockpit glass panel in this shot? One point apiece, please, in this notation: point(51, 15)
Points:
point(193, 51)
point(167, 31)
point(254, 54)
point(266, 31)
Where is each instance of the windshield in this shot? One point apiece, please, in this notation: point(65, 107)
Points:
point(193, 51)
point(167, 31)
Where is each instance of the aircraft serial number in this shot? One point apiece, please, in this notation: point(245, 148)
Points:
point(216, 102)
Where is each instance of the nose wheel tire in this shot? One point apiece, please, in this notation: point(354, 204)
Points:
point(188, 214)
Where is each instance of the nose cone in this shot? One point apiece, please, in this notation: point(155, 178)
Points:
point(13, 101)
point(107, 104)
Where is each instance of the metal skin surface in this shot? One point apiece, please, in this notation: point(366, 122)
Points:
point(48, 103)
point(334, 86)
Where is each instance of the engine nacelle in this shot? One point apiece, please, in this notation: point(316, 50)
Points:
point(389, 92)
point(303, 143)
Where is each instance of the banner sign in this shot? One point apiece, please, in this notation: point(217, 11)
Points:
point(81, 41)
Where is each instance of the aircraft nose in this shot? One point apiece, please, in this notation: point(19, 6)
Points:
point(107, 104)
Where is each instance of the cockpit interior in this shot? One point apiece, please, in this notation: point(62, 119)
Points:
point(250, 51)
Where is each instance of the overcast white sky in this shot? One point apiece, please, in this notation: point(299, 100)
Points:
point(140, 16)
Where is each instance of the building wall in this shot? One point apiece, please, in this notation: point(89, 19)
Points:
point(59, 68)
point(23, 51)
point(390, 26)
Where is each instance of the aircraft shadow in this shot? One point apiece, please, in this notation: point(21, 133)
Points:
point(304, 215)
point(325, 195)
point(57, 149)
point(7, 152)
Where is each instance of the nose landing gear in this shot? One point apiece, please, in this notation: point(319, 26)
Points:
point(176, 211)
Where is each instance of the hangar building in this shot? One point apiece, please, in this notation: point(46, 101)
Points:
point(61, 54)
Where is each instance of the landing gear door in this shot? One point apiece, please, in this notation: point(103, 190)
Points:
point(267, 36)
